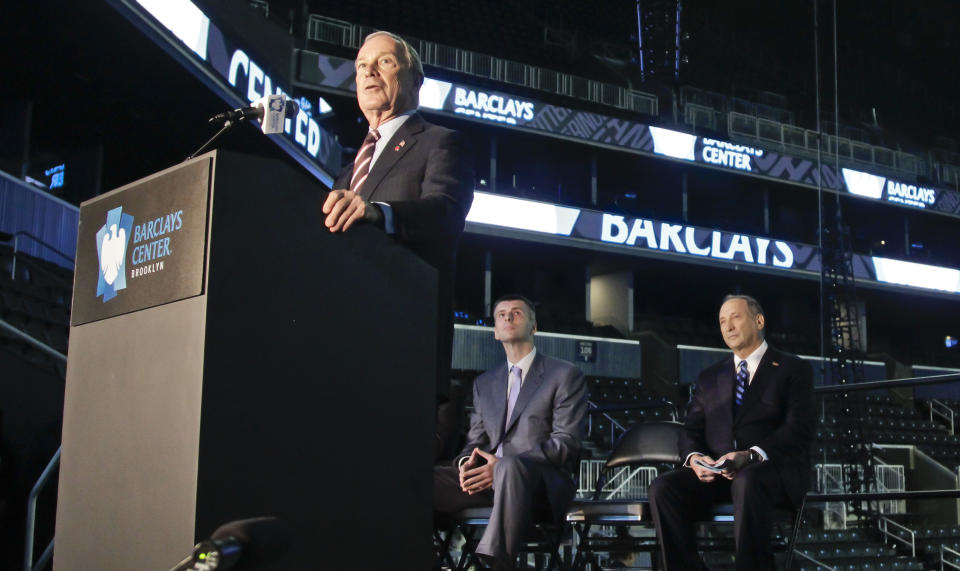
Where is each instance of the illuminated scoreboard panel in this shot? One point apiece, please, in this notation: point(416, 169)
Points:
point(577, 227)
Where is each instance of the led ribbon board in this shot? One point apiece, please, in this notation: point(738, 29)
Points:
point(881, 188)
point(465, 101)
point(650, 237)
point(233, 73)
point(639, 233)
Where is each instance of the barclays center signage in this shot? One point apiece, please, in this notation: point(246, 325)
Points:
point(877, 187)
point(681, 239)
point(142, 245)
point(232, 69)
point(642, 236)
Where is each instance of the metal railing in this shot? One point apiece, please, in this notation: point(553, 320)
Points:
point(818, 563)
point(832, 478)
point(884, 524)
point(48, 472)
point(939, 410)
point(791, 138)
point(345, 34)
point(891, 478)
point(32, 340)
point(28, 563)
point(944, 551)
point(773, 127)
point(889, 384)
point(16, 247)
point(616, 428)
point(625, 482)
point(592, 408)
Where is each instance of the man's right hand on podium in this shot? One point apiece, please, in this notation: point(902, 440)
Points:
point(344, 207)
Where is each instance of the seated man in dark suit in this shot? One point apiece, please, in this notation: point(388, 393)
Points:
point(754, 413)
point(523, 445)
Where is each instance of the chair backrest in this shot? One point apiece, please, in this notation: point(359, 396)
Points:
point(647, 443)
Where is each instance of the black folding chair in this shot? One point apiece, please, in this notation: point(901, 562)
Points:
point(644, 444)
point(544, 539)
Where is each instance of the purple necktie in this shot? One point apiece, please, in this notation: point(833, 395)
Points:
point(512, 393)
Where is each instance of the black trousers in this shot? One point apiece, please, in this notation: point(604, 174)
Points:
point(678, 499)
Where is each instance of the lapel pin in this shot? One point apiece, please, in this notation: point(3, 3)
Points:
point(775, 364)
point(402, 143)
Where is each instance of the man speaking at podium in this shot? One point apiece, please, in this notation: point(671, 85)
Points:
point(410, 178)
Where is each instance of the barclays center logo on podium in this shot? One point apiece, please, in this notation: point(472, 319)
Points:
point(112, 240)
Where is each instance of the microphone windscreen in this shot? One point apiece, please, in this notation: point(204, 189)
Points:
point(264, 539)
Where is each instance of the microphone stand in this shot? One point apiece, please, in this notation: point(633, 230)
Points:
point(203, 148)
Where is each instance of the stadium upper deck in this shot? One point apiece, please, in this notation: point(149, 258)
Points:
point(668, 200)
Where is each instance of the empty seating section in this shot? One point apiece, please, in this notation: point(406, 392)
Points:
point(37, 303)
point(680, 330)
point(883, 421)
point(620, 403)
point(931, 539)
point(850, 550)
point(536, 34)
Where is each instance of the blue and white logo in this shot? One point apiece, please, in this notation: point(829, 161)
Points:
point(112, 240)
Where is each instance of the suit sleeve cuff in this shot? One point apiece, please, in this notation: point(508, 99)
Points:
point(686, 461)
point(462, 460)
point(760, 451)
point(388, 225)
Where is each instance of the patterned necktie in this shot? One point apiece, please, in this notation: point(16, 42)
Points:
point(361, 166)
point(512, 393)
point(742, 375)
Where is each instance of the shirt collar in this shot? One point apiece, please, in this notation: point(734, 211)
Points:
point(753, 359)
point(388, 129)
point(524, 364)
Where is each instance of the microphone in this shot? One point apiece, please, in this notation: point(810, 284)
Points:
point(245, 544)
point(270, 110)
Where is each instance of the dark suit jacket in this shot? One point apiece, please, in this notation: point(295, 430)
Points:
point(547, 421)
point(778, 415)
point(425, 174)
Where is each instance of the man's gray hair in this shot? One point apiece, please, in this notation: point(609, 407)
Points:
point(752, 304)
point(409, 53)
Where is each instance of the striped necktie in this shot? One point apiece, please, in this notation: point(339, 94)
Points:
point(361, 166)
point(742, 375)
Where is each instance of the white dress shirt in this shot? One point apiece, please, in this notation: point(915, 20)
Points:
point(753, 362)
point(387, 131)
point(524, 365)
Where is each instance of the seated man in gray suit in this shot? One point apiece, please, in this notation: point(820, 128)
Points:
point(524, 440)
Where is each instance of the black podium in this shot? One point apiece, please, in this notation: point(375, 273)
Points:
point(230, 358)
